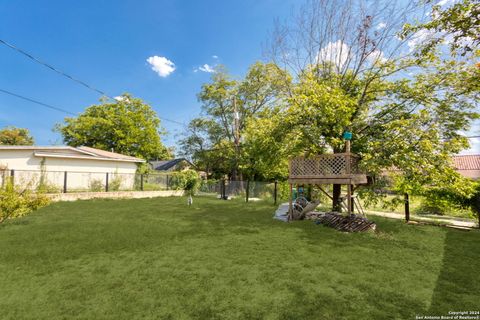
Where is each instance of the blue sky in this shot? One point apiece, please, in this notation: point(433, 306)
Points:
point(106, 44)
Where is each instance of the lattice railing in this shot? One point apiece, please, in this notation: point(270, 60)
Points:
point(338, 164)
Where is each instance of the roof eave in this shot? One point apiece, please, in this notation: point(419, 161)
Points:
point(51, 155)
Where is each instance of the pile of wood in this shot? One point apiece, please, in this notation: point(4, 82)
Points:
point(314, 215)
point(351, 223)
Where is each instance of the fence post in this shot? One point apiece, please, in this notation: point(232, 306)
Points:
point(12, 177)
point(222, 189)
point(407, 207)
point(275, 192)
point(65, 182)
point(248, 191)
point(168, 181)
point(106, 183)
point(141, 182)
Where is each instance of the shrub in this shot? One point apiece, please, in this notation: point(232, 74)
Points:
point(152, 187)
point(16, 203)
point(456, 199)
point(187, 180)
point(96, 185)
point(474, 202)
point(45, 187)
point(115, 183)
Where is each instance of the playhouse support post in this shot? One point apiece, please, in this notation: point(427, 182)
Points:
point(275, 190)
point(290, 201)
point(349, 198)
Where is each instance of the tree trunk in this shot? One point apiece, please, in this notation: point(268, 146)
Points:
point(337, 191)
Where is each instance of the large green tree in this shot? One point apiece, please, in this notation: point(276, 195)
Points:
point(354, 72)
point(343, 65)
point(128, 126)
point(15, 137)
point(215, 141)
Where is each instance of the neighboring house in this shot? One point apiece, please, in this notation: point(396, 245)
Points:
point(82, 164)
point(171, 165)
point(468, 165)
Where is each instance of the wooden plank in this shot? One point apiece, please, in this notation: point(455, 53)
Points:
point(321, 181)
point(325, 192)
point(290, 203)
point(325, 176)
point(329, 179)
point(349, 199)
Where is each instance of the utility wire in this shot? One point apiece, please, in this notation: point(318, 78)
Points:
point(38, 102)
point(49, 66)
point(61, 109)
point(28, 55)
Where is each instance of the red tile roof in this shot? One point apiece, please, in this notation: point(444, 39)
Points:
point(467, 162)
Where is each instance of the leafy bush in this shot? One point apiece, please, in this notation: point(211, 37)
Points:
point(45, 187)
point(16, 203)
point(115, 183)
point(96, 185)
point(455, 198)
point(187, 180)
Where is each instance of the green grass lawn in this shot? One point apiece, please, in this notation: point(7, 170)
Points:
point(159, 259)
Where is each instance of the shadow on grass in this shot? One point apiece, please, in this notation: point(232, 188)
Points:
point(458, 284)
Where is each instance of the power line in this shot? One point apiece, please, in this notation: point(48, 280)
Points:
point(61, 109)
point(38, 102)
point(173, 121)
point(28, 55)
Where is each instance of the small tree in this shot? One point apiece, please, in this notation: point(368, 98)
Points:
point(13, 136)
point(187, 180)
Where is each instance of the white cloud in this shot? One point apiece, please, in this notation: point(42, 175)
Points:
point(381, 25)
point(215, 57)
point(444, 3)
point(119, 98)
point(377, 56)
point(161, 65)
point(335, 52)
point(418, 38)
point(206, 68)
point(474, 147)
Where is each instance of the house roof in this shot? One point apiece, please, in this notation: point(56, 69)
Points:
point(467, 162)
point(74, 152)
point(167, 164)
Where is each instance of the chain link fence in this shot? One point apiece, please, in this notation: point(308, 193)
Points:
point(248, 190)
point(74, 181)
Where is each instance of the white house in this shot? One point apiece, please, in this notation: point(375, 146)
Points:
point(77, 169)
